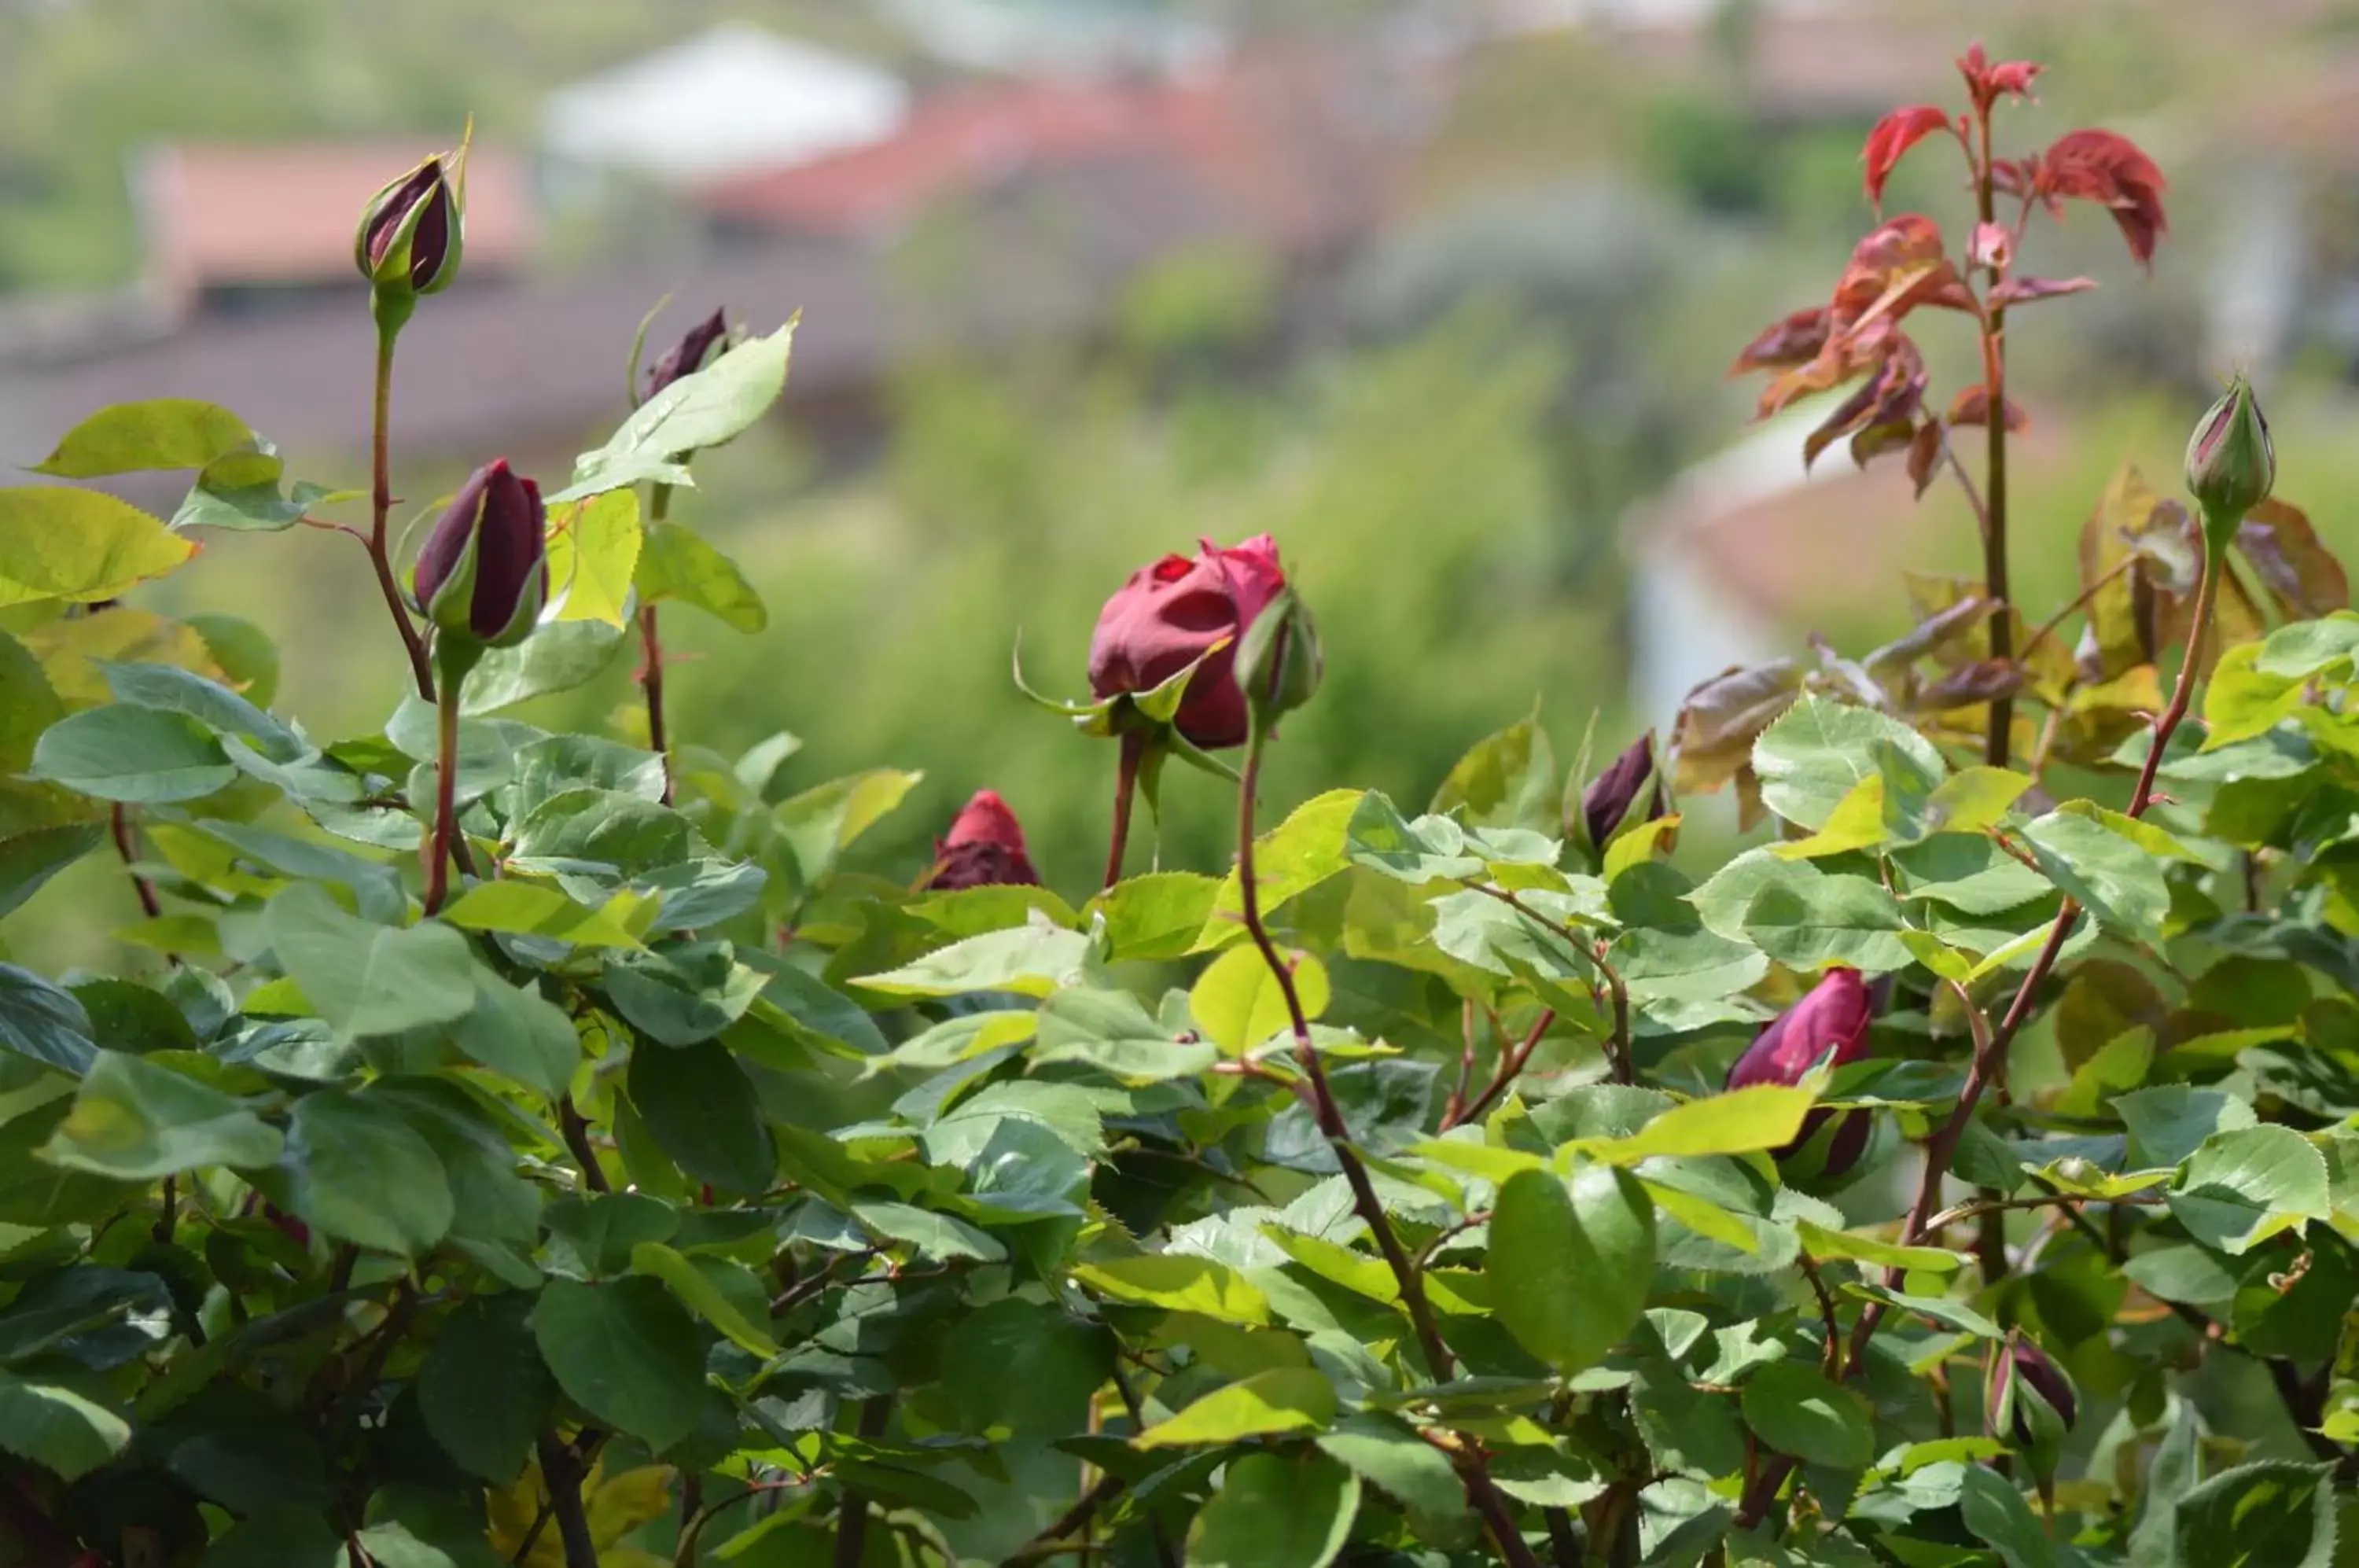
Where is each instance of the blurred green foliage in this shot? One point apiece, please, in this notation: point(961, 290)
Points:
point(1012, 505)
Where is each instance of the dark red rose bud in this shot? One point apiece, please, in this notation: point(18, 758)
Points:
point(985, 848)
point(483, 574)
point(411, 236)
point(1828, 1026)
point(1606, 803)
point(1169, 614)
point(706, 342)
point(2028, 1400)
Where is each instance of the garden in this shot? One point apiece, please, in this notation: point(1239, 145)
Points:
point(558, 1147)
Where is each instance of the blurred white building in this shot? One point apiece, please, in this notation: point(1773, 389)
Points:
point(732, 99)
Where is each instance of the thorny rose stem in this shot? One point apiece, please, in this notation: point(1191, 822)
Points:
point(1126, 786)
point(1991, 1045)
point(1472, 1472)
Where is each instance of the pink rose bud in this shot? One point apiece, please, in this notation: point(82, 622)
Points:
point(484, 574)
point(2231, 464)
point(1170, 615)
point(1829, 1027)
point(409, 237)
point(985, 848)
point(705, 342)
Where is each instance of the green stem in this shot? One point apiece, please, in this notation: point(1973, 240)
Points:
point(651, 681)
point(381, 509)
point(443, 838)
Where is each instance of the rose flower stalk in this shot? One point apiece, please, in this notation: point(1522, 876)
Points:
point(479, 582)
point(1172, 617)
point(700, 346)
point(1827, 1027)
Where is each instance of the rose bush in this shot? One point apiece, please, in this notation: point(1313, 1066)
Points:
point(517, 1146)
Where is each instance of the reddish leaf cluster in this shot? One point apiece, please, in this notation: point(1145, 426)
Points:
point(1986, 83)
point(1899, 266)
point(1903, 264)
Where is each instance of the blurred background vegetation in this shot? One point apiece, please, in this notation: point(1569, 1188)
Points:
point(1466, 416)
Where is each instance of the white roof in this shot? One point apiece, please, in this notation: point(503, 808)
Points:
point(1062, 36)
point(733, 99)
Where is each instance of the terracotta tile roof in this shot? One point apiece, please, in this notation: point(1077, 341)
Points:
point(491, 367)
point(224, 214)
point(1271, 142)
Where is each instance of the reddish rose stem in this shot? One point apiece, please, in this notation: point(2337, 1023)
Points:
point(1126, 786)
point(651, 678)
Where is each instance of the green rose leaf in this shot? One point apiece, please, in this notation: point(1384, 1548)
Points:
point(625, 1352)
point(1570, 1262)
point(1276, 1512)
point(135, 1121)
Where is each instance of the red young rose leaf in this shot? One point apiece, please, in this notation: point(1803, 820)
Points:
point(1986, 83)
point(2110, 169)
point(1894, 135)
point(1925, 456)
point(1897, 266)
point(1985, 681)
point(2015, 176)
point(1971, 407)
point(2300, 571)
point(1882, 415)
point(2030, 291)
point(1796, 340)
point(1900, 265)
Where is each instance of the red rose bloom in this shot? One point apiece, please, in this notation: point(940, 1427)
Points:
point(985, 848)
point(1168, 614)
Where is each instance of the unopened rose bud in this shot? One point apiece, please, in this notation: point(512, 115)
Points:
point(1606, 804)
point(1827, 1027)
point(2027, 1400)
point(985, 848)
point(2231, 463)
point(704, 343)
point(484, 574)
point(411, 236)
point(1279, 662)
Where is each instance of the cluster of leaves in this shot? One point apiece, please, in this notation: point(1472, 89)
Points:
point(671, 1192)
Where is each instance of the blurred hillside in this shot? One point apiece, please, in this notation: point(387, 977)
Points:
point(1440, 295)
